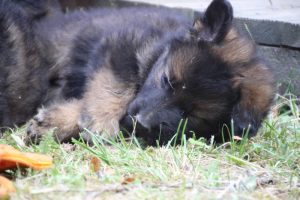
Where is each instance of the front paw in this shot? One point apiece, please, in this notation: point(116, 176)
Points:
point(37, 127)
point(60, 118)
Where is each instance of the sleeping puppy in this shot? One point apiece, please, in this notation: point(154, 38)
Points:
point(152, 65)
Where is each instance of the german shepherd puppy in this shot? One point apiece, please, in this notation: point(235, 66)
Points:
point(152, 65)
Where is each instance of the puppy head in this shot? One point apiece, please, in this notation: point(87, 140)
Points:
point(195, 78)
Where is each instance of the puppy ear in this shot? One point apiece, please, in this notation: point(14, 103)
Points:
point(215, 23)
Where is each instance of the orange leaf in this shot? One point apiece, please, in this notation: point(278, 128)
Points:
point(11, 158)
point(128, 180)
point(6, 187)
point(95, 164)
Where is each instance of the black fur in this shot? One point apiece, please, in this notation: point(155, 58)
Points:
point(217, 21)
point(20, 65)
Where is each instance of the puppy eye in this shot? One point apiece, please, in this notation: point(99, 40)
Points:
point(165, 82)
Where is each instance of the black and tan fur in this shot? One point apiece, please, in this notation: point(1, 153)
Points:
point(20, 63)
point(22, 60)
point(154, 65)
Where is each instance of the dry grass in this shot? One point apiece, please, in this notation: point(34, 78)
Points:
point(265, 167)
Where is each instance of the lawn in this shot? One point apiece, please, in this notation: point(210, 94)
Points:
point(264, 167)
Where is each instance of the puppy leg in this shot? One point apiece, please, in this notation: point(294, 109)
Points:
point(105, 103)
point(62, 118)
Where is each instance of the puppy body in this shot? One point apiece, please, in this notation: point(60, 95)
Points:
point(107, 66)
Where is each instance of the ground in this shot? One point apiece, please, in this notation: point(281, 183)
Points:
point(264, 167)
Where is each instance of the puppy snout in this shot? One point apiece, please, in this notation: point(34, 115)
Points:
point(242, 129)
point(130, 122)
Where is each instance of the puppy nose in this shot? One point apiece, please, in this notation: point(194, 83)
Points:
point(243, 130)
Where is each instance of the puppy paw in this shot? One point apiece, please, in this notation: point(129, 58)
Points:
point(39, 126)
point(60, 119)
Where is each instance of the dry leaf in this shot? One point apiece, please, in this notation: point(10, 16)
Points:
point(6, 187)
point(11, 158)
point(95, 164)
point(128, 180)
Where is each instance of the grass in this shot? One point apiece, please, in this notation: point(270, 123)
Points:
point(264, 167)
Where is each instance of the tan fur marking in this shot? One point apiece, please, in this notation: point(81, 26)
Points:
point(65, 116)
point(62, 116)
point(181, 59)
point(257, 88)
point(235, 49)
point(232, 34)
point(106, 101)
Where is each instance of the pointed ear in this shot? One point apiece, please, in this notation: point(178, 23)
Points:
point(215, 23)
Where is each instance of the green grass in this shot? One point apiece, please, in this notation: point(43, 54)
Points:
point(264, 167)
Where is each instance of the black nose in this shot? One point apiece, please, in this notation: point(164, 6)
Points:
point(242, 129)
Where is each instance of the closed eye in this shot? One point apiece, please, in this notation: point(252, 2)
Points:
point(165, 82)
